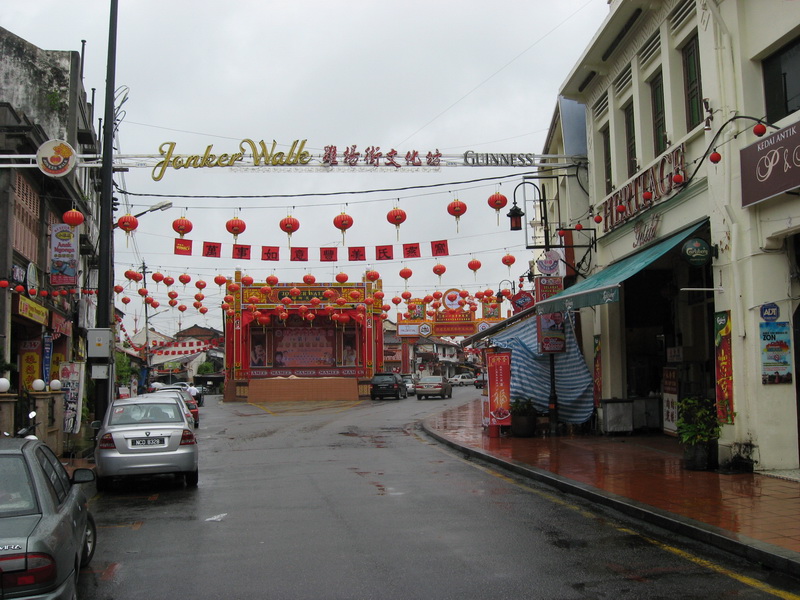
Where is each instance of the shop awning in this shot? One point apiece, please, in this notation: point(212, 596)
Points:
point(603, 287)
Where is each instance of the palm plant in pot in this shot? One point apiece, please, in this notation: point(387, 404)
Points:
point(698, 429)
point(523, 417)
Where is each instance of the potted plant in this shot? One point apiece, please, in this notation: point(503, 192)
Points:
point(523, 417)
point(698, 429)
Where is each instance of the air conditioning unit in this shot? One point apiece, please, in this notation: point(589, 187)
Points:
point(617, 415)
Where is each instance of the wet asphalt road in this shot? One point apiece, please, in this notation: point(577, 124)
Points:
point(328, 500)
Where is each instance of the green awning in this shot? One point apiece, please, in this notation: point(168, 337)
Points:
point(603, 287)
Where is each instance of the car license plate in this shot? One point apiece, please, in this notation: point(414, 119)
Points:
point(147, 442)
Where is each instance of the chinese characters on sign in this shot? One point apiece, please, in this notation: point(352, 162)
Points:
point(498, 368)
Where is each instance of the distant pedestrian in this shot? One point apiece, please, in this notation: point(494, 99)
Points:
point(195, 394)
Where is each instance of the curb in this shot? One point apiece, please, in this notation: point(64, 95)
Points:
point(755, 551)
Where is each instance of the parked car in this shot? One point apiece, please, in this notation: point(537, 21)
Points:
point(192, 406)
point(46, 530)
point(462, 379)
point(434, 385)
point(480, 381)
point(146, 435)
point(411, 386)
point(387, 385)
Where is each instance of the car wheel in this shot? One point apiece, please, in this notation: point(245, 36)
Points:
point(192, 477)
point(89, 541)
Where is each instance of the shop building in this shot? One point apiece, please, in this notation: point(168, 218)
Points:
point(690, 207)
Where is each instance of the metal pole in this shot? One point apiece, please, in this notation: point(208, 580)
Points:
point(552, 400)
point(146, 336)
point(105, 278)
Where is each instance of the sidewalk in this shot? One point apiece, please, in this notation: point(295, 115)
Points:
point(752, 515)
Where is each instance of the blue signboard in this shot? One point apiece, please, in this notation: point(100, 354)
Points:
point(770, 312)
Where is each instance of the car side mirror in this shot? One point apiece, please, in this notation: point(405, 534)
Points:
point(83, 476)
point(95, 425)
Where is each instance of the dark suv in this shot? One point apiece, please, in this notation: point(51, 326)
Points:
point(389, 385)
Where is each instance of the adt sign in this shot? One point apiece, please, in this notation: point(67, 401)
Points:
point(770, 312)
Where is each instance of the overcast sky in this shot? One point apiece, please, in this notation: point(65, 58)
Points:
point(405, 75)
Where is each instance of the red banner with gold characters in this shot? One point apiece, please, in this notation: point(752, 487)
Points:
point(498, 367)
point(724, 365)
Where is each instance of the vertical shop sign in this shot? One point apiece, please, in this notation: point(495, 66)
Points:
point(723, 365)
point(669, 387)
point(550, 327)
point(71, 376)
point(776, 361)
point(47, 356)
point(597, 378)
point(31, 359)
point(498, 368)
point(63, 255)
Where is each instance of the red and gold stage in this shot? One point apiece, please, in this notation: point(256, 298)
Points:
point(301, 341)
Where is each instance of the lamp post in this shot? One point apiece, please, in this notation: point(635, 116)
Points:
point(552, 400)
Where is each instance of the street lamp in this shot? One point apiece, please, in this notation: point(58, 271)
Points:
point(515, 216)
point(160, 206)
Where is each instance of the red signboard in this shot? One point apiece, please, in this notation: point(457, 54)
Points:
point(498, 368)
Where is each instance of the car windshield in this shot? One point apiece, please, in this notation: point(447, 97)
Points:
point(383, 378)
point(16, 490)
point(431, 380)
point(133, 414)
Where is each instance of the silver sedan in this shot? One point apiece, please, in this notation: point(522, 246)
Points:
point(146, 435)
point(46, 531)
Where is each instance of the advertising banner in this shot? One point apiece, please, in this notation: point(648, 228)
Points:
point(308, 347)
point(550, 327)
point(669, 386)
point(71, 376)
point(723, 361)
point(776, 355)
point(498, 368)
point(30, 355)
point(63, 255)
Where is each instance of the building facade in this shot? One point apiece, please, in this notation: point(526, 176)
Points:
point(690, 206)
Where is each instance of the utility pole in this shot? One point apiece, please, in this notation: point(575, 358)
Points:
point(146, 336)
point(105, 276)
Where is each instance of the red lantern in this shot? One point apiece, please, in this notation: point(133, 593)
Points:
point(272, 280)
point(149, 300)
point(234, 287)
point(406, 295)
point(343, 222)
point(182, 308)
point(315, 302)
point(286, 300)
point(355, 295)
point(203, 310)
point(310, 317)
point(220, 280)
point(117, 288)
point(289, 225)
point(172, 294)
point(228, 298)
point(457, 208)
point(647, 195)
point(200, 284)
point(677, 179)
point(379, 295)
point(128, 223)
point(396, 217)
point(182, 226)
point(263, 319)
point(328, 294)
point(168, 281)
point(621, 208)
point(507, 260)
point(474, 265)
point(759, 129)
point(143, 292)
point(406, 273)
point(372, 275)
point(125, 300)
point(341, 301)
point(197, 304)
point(173, 303)
point(309, 279)
point(247, 280)
point(235, 226)
point(341, 277)
point(184, 279)
point(715, 157)
point(200, 297)
point(266, 290)
point(439, 269)
point(437, 295)
point(396, 300)
point(295, 292)
point(3, 283)
point(498, 201)
point(386, 307)
point(157, 277)
point(598, 219)
point(73, 217)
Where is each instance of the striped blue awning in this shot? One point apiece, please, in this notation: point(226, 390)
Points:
point(530, 372)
